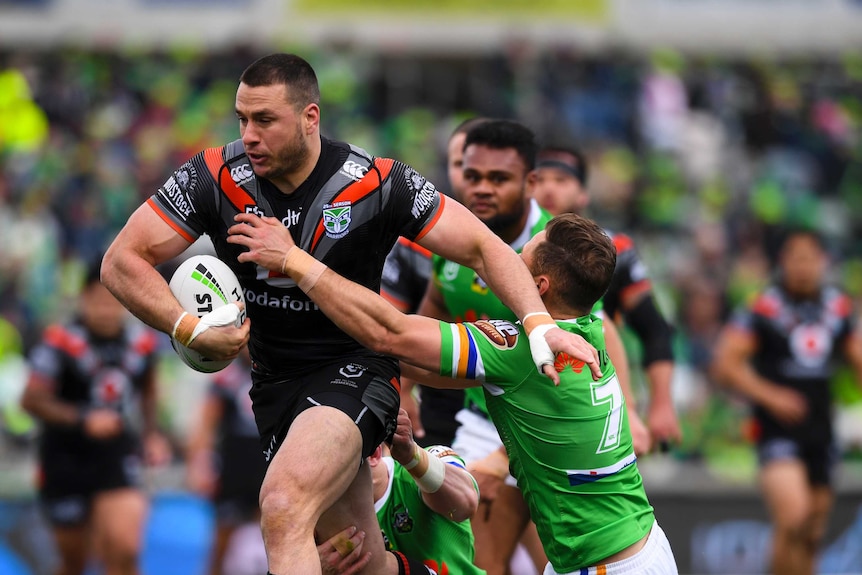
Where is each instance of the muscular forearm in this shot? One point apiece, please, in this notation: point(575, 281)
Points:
point(509, 279)
point(457, 499)
point(45, 406)
point(141, 288)
point(366, 316)
point(660, 375)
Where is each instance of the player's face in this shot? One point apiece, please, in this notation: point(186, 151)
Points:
point(558, 191)
point(101, 312)
point(455, 164)
point(803, 265)
point(495, 187)
point(275, 134)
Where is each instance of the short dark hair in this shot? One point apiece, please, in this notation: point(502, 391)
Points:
point(467, 125)
point(288, 69)
point(579, 257)
point(502, 134)
point(577, 161)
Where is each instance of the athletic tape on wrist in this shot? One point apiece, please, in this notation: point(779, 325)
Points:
point(432, 480)
point(540, 316)
point(417, 458)
point(539, 348)
point(184, 329)
point(302, 268)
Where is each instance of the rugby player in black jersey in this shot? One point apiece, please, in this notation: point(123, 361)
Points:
point(780, 352)
point(322, 402)
point(92, 386)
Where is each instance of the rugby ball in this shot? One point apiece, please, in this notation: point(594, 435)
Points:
point(201, 284)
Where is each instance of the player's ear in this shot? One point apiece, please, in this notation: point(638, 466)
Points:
point(311, 118)
point(543, 283)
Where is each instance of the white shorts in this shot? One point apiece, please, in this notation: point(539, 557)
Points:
point(477, 438)
point(655, 558)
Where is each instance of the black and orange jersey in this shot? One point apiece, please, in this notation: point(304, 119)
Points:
point(630, 277)
point(348, 214)
point(405, 275)
point(798, 342)
point(92, 372)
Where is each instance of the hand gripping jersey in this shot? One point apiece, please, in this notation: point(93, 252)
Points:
point(797, 344)
point(92, 373)
point(468, 298)
point(411, 527)
point(569, 447)
point(347, 214)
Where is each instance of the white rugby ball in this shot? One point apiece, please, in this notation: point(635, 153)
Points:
point(201, 284)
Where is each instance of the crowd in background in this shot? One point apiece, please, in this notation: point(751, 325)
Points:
point(700, 159)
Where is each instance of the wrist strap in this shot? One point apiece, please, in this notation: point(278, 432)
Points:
point(184, 328)
point(303, 268)
point(432, 480)
point(417, 457)
point(534, 319)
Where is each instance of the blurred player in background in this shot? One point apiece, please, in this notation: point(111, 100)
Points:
point(405, 279)
point(348, 208)
point(580, 474)
point(92, 386)
point(223, 456)
point(559, 184)
point(780, 352)
point(424, 499)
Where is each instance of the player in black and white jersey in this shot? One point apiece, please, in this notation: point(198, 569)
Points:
point(321, 401)
point(780, 351)
point(92, 386)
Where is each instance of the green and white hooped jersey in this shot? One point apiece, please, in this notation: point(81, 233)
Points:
point(411, 527)
point(570, 447)
point(466, 295)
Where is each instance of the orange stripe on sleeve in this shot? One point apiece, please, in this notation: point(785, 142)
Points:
point(433, 220)
point(463, 351)
point(167, 219)
point(237, 196)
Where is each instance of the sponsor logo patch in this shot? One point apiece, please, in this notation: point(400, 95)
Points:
point(176, 196)
point(503, 334)
point(241, 174)
point(353, 170)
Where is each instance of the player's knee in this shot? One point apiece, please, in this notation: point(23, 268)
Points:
point(285, 511)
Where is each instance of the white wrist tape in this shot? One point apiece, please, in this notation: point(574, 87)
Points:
point(225, 315)
point(539, 348)
point(433, 478)
point(417, 457)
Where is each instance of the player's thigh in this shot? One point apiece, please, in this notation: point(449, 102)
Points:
point(315, 464)
point(118, 520)
point(497, 527)
point(786, 491)
point(533, 545)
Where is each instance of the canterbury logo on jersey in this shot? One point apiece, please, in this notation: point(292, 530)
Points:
point(353, 170)
point(241, 174)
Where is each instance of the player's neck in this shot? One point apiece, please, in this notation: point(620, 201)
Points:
point(288, 182)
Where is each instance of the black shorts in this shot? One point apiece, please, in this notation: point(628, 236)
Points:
point(368, 395)
point(241, 471)
point(819, 458)
point(70, 480)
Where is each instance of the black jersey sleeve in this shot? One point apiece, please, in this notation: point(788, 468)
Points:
point(184, 200)
point(414, 202)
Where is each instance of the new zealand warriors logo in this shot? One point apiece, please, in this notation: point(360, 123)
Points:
point(336, 219)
